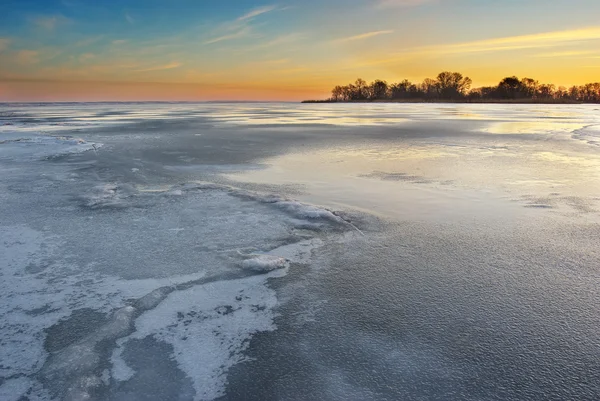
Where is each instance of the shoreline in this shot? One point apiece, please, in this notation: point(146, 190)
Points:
point(491, 101)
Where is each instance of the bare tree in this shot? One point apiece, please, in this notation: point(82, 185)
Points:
point(378, 90)
point(452, 85)
point(361, 92)
point(530, 87)
point(511, 88)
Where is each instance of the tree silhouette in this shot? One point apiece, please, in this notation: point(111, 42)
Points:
point(378, 90)
point(360, 89)
point(453, 86)
point(530, 86)
point(510, 88)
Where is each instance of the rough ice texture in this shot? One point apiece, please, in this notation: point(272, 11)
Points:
point(13, 389)
point(109, 195)
point(293, 208)
point(209, 327)
point(589, 134)
point(84, 257)
point(265, 263)
point(41, 287)
point(66, 243)
point(33, 302)
point(17, 145)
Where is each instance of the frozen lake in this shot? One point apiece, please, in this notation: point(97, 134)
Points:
point(299, 252)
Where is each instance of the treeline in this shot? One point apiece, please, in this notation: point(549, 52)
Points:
point(453, 86)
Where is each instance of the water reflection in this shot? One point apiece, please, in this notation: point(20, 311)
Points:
point(414, 179)
point(533, 127)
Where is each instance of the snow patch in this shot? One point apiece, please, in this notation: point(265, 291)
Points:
point(209, 327)
point(120, 370)
point(37, 293)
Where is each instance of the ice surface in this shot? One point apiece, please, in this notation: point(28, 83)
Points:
point(45, 276)
point(33, 145)
point(209, 327)
point(264, 263)
point(38, 301)
point(589, 134)
point(34, 302)
point(14, 389)
point(215, 247)
point(296, 209)
point(109, 195)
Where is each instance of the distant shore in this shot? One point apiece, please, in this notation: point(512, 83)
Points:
point(454, 87)
point(478, 101)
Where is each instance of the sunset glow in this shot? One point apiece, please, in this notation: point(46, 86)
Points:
point(64, 50)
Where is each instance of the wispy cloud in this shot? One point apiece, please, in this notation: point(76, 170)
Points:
point(401, 3)
point(365, 35)
point(511, 43)
point(236, 35)
point(169, 66)
point(4, 43)
point(118, 42)
point(88, 41)
point(283, 42)
point(292, 70)
point(27, 57)
point(86, 56)
point(256, 12)
point(566, 53)
point(50, 22)
point(129, 18)
point(277, 41)
point(525, 41)
point(270, 63)
point(278, 61)
point(241, 27)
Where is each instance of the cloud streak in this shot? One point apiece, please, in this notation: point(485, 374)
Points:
point(51, 22)
point(86, 56)
point(566, 53)
point(256, 12)
point(231, 36)
point(27, 57)
point(511, 43)
point(277, 41)
point(402, 3)
point(363, 36)
point(275, 61)
point(239, 28)
point(169, 66)
point(4, 43)
point(528, 41)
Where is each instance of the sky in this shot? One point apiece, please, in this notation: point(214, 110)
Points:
point(196, 50)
